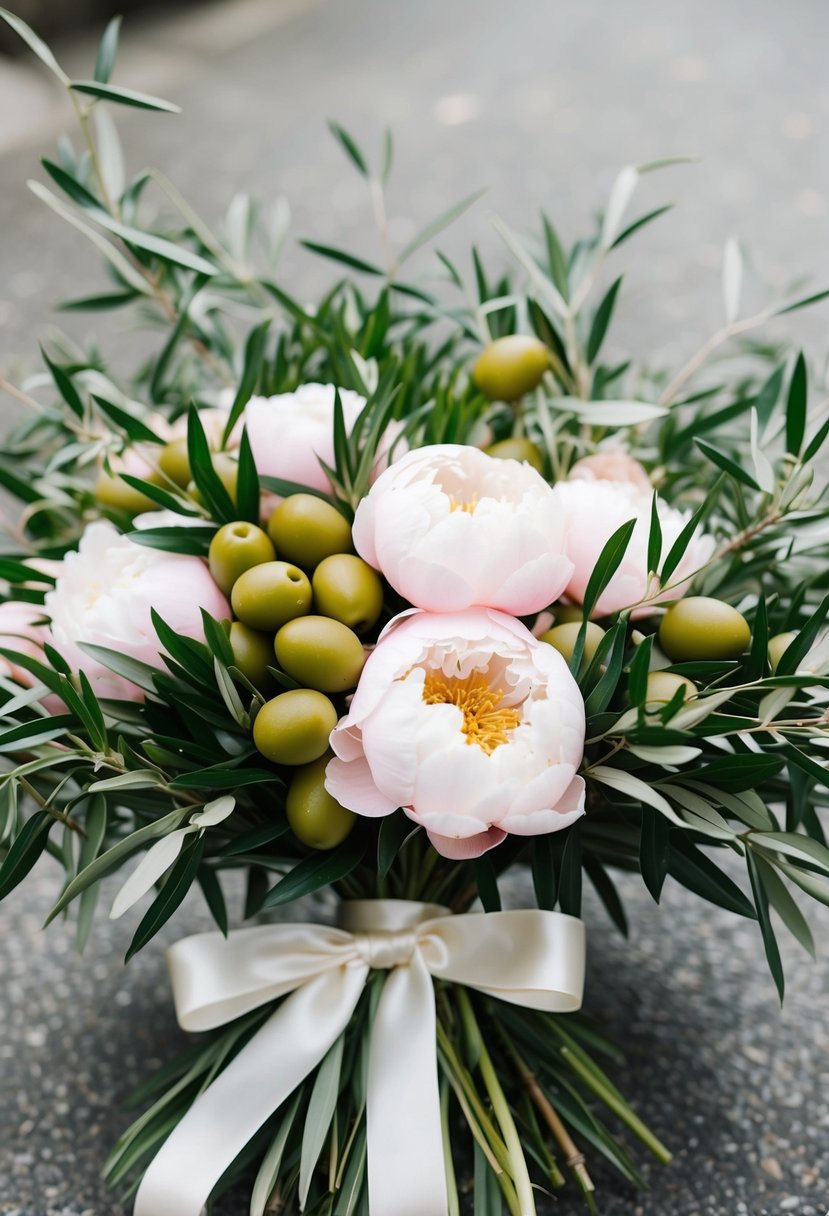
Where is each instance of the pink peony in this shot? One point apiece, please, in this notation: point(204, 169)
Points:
point(594, 509)
point(612, 464)
point(19, 631)
point(291, 433)
point(451, 527)
point(105, 594)
point(470, 724)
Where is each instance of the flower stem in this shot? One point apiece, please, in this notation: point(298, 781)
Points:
point(618, 1106)
point(501, 1108)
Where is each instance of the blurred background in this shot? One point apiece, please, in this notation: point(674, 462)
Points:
point(542, 103)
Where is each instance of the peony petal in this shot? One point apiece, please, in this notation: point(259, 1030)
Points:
point(352, 784)
point(468, 848)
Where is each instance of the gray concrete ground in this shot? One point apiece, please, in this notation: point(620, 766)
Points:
point(542, 103)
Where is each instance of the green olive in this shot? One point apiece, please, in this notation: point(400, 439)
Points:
point(321, 653)
point(306, 529)
point(517, 449)
point(294, 727)
point(113, 491)
point(509, 367)
point(236, 548)
point(252, 653)
point(316, 818)
point(699, 627)
point(565, 614)
point(348, 590)
point(778, 645)
point(268, 595)
point(563, 639)
point(174, 462)
point(663, 686)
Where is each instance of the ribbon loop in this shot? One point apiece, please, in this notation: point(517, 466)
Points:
point(530, 958)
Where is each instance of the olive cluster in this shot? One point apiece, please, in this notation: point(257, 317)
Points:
point(698, 628)
point(301, 598)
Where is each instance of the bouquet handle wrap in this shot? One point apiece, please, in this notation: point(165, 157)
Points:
point(528, 957)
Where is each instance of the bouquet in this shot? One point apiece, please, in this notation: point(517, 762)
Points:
point(376, 601)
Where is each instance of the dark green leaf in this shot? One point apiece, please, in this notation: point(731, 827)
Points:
point(247, 485)
point(761, 903)
point(253, 841)
point(318, 870)
point(211, 889)
point(105, 302)
point(544, 872)
point(796, 407)
point(394, 831)
point(251, 371)
point(556, 260)
point(164, 499)
point(757, 663)
point(255, 892)
point(64, 386)
point(137, 430)
point(640, 223)
point(680, 545)
point(27, 848)
point(799, 647)
point(606, 892)
point(350, 147)
point(737, 773)
point(107, 51)
point(194, 541)
point(727, 465)
point(70, 185)
point(694, 870)
point(654, 537)
point(654, 850)
point(131, 669)
point(816, 442)
point(176, 886)
point(609, 561)
point(804, 302)
point(126, 97)
point(215, 635)
point(340, 255)
point(639, 668)
point(601, 320)
point(769, 394)
point(207, 480)
point(569, 874)
point(487, 882)
point(278, 485)
point(784, 905)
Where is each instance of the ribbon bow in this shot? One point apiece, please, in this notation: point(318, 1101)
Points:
point(530, 958)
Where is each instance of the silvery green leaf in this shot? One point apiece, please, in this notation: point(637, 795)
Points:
point(278, 224)
point(732, 278)
point(138, 779)
point(230, 696)
point(699, 709)
point(126, 97)
point(763, 471)
point(610, 413)
point(321, 1107)
point(116, 259)
point(35, 44)
point(537, 276)
point(670, 754)
point(785, 906)
point(214, 812)
point(237, 227)
point(634, 787)
point(699, 814)
point(665, 162)
point(620, 196)
point(152, 865)
point(773, 703)
point(271, 1162)
point(794, 844)
point(110, 154)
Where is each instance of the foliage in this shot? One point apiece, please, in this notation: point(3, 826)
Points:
point(739, 774)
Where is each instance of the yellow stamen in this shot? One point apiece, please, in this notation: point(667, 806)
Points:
point(485, 721)
point(467, 507)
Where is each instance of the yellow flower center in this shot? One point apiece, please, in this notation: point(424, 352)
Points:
point(486, 721)
point(467, 507)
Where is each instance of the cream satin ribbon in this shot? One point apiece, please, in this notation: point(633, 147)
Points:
point(529, 958)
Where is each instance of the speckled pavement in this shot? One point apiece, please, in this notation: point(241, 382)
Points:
point(542, 103)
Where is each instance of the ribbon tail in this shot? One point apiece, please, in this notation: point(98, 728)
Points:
point(268, 1069)
point(406, 1169)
